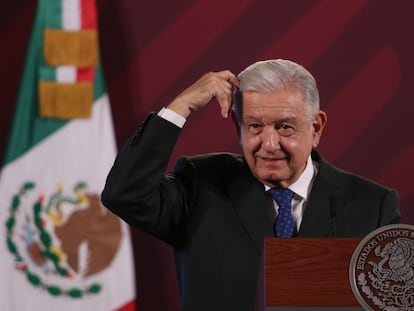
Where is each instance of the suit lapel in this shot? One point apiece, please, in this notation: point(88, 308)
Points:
point(317, 220)
point(325, 201)
point(248, 197)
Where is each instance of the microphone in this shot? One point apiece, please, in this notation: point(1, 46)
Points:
point(332, 211)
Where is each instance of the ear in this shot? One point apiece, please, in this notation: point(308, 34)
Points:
point(318, 125)
point(236, 124)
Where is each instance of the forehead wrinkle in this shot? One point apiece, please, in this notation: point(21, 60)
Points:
point(277, 120)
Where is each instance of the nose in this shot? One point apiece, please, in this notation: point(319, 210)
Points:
point(270, 139)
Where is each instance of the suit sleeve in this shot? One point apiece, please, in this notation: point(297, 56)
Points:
point(137, 189)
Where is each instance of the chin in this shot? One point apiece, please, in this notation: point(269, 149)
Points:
point(272, 178)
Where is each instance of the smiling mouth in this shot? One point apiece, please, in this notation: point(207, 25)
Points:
point(272, 160)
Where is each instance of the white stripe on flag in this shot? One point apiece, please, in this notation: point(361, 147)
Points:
point(66, 74)
point(71, 10)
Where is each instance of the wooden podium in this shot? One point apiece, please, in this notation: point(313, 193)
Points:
point(308, 272)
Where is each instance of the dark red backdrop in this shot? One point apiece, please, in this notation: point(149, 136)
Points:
point(360, 51)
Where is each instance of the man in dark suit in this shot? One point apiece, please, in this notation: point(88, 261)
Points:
point(215, 209)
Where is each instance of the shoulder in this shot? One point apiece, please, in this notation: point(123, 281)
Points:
point(220, 161)
point(215, 168)
point(346, 180)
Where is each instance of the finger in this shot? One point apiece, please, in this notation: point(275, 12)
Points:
point(232, 84)
point(224, 98)
point(230, 77)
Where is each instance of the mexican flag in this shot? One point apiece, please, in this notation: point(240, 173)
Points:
point(60, 249)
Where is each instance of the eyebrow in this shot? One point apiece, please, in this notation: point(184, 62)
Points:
point(252, 118)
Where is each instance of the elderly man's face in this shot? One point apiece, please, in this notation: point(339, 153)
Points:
point(277, 135)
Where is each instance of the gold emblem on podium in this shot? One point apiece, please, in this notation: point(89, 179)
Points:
point(381, 270)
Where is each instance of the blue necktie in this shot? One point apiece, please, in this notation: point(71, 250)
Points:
point(285, 225)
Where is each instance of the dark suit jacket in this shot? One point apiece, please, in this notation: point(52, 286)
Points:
point(212, 210)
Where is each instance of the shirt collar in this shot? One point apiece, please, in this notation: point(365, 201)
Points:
point(301, 186)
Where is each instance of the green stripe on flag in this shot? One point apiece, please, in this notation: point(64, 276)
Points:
point(47, 73)
point(53, 18)
point(53, 13)
point(99, 84)
point(28, 129)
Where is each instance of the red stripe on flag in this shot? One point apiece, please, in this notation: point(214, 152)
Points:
point(85, 74)
point(360, 101)
point(88, 18)
point(130, 306)
point(88, 14)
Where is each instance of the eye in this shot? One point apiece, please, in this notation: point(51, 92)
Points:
point(254, 128)
point(285, 129)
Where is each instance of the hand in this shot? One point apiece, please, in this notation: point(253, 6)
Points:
point(218, 85)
